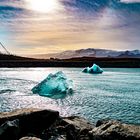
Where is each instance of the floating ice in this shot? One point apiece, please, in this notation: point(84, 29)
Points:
point(95, 69)
point(55, 86)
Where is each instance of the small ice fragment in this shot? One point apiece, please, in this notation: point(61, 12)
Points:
point(55, 86)
point(95, 69)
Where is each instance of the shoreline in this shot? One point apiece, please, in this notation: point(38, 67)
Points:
point(77, 63)
point(12, 61)
point(38, 124)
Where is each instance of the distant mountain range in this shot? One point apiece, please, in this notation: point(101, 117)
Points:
point(90, 52)
point(126, 59)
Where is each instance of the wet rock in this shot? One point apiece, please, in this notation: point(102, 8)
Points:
point(38, 124)
point(77, 128)
point(60, 137)
point(9, 129)
point(78, 122)
point(74, 128)
point(32, 121)
point(29, 138)
point(114, 130)
point(100, 122)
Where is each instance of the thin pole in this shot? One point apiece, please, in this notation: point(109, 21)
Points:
point(4, 48)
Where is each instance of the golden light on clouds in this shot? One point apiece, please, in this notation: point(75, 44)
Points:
point(50, 26)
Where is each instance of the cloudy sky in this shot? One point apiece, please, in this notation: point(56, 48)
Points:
point(50, 26)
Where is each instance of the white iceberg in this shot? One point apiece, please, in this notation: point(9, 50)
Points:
point(55, 86)
point(95, 69)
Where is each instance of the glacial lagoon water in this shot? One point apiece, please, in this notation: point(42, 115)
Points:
point(115, 94)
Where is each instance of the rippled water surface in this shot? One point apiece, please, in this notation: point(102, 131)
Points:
point(114, 94)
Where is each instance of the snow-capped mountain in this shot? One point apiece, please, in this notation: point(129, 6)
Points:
point(90, 52)
point(130, 54)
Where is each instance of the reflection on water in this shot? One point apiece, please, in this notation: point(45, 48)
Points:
point(113, 94)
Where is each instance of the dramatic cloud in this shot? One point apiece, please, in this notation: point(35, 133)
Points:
point(38, 26)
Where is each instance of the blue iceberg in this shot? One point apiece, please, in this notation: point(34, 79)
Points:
point(55, 86)
point(95, 69)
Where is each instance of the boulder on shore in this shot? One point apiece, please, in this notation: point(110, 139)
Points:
point(36, 124)
point(70, 128)
point(115, 130)
point(30, 121)
point(9, 129)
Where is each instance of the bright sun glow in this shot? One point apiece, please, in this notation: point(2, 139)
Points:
point(43, 6)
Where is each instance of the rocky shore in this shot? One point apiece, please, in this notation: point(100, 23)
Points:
point(36, 124)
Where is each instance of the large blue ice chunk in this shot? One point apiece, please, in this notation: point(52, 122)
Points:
point(55, 86)
point(95, 69)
